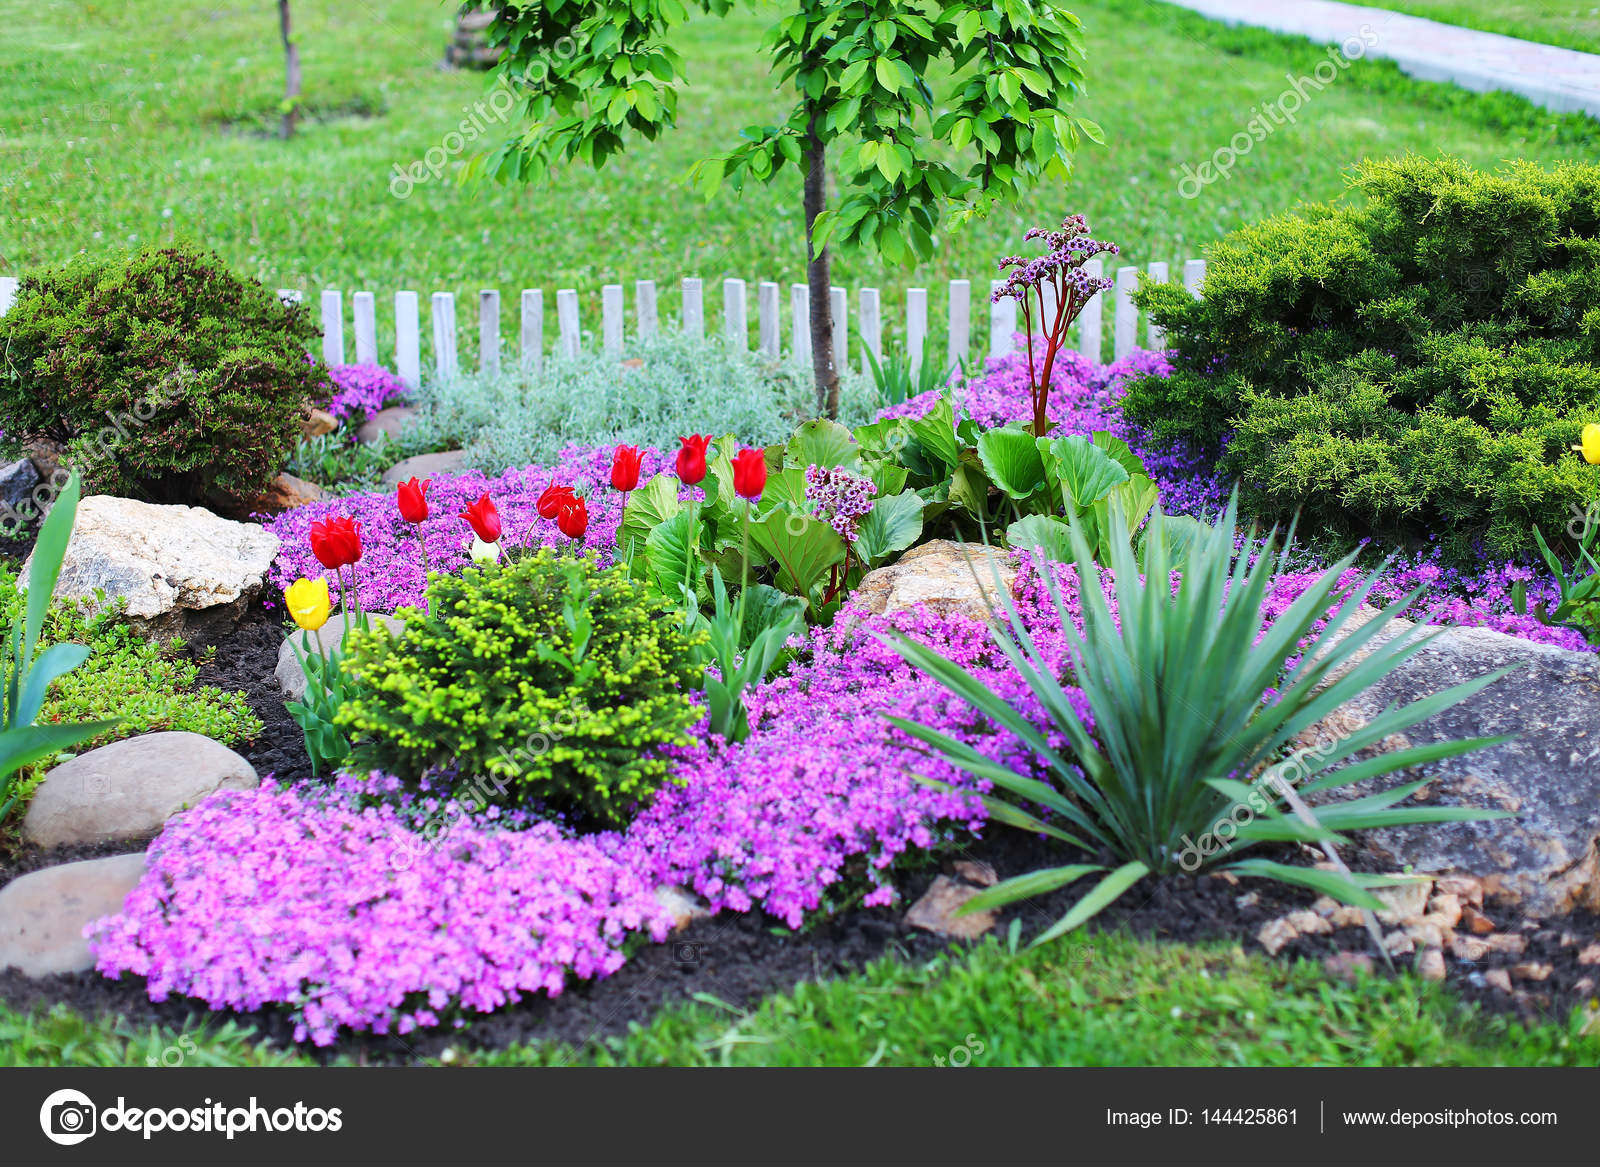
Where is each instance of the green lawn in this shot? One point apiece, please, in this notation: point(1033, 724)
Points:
point(1572, 24)
point(130, 123)
point(1097, 1001)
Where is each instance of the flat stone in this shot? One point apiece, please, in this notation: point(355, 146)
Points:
point(43, 914)
point(291, 677)
point(1543, 859)
point(936, 911)
point(180, 568)
point(285, 493)
point(425, 466)
point(946, 577)
point(128, 789)
point(1403, 902)
point(316, 422)
point(386, 424)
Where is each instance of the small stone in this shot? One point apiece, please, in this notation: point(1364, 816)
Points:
point(425, 466)
point(291, 677)
point(316, 422)
point(1399, 944)
point(1274, 935)
point(1425, 934)
point(1464, 887)
point(1249, 900)
point(1448, 906)
point(1308, 923)
point(1404, 902)
point(1591, 954)
point(1531, 971)
point(385, 424)
point(1468, 949)
point(1475, 921)
point(976, 871)
point(285, 493)
point(1583, 987)
point(1506, 942)
point(633, 364)
point(1347, 916)
point(1326, 906)
point(1227, 877)
point(1499, 978)
point(685, 906)
point(43, 914)
point(936, 911)
point(1430, 965)
point(1346, 966)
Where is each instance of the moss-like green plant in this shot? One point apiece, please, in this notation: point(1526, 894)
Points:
point(1417, 364)
point(166, 376)
point(558, 680)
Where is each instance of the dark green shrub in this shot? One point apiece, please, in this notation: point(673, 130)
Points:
point(165, 376)
point(1420, 364)
point(560, 679)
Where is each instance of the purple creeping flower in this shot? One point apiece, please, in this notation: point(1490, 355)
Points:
point(362, 391)
point(839, 498)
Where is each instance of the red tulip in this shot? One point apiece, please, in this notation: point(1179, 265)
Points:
point(573, 518)
point(484, 518)
point(553, 499)
point(336, 541)
point(749, 474)
point(625, 468)
point(411, 498)
point(692, 458)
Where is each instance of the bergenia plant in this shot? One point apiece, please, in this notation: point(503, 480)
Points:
point(1060, 269)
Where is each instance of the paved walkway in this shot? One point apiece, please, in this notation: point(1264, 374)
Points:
point(1558, 79)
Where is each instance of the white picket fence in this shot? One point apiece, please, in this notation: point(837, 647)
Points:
point(492, 348)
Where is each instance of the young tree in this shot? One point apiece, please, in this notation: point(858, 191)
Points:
point(598, 73)
point(291, 71)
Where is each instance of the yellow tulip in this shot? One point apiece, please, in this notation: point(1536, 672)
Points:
point(1591, 443)
point(308, 602)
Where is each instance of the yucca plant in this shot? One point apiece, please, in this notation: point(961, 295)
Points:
point(1194, 707)
point(25, 678)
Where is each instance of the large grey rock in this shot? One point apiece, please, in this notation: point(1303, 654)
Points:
point(946, 577)
point(17, 481)
point(43, 914)
point(128, 789)
point(179, 567)
point(1544, 858)
point(291, 677)
point(426, 466)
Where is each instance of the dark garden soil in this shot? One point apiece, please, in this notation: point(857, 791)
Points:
point(739, 959)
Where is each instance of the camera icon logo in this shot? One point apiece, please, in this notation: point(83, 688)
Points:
point(685, 952)
point(67, 1117)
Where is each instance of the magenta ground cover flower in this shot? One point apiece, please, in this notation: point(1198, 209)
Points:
point(362, 391)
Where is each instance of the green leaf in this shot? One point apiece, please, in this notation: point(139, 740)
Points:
point(823, 443)
point(1011, 457)
point(888, 75)
point(49, 550)
point(803, 547)
point(648, 507)
point(673, 561)
point(1083, 471)
point(1023, 887)
point(893, 524)
point(1046, 535)
point(1091, 905)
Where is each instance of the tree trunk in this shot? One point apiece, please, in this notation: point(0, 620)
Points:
point(291, 72)
point(817, 277)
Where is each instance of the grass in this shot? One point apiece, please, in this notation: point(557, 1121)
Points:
point(1571, 24)
point(132, 123)
point(1105, 1001)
